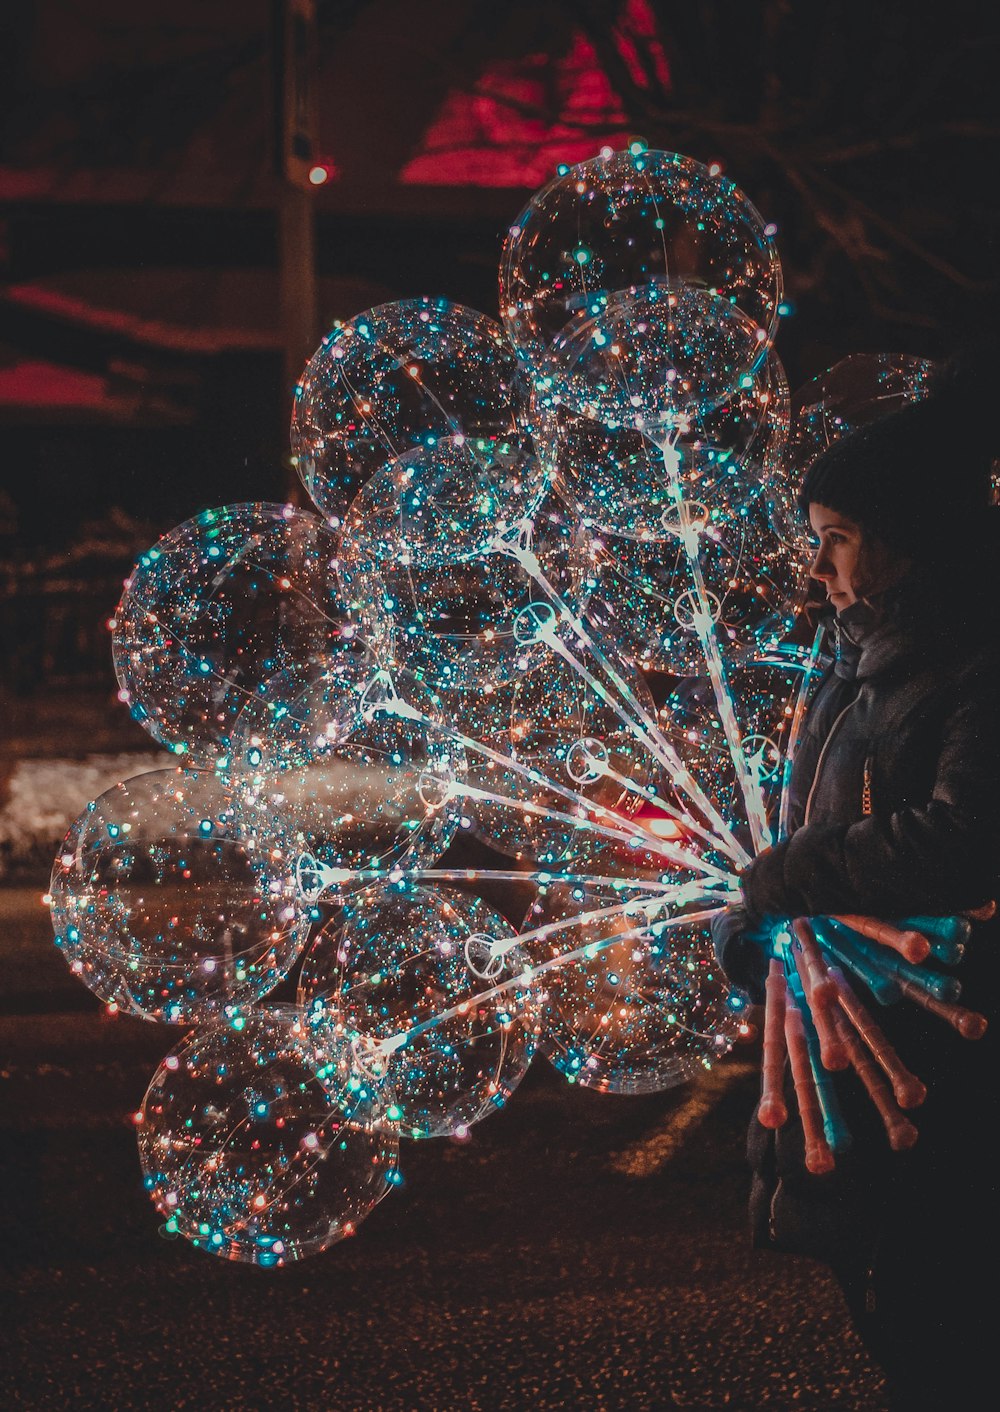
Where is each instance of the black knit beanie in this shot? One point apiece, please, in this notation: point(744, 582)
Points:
point(923, 471)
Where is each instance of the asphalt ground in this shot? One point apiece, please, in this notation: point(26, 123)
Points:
point(577, 1251)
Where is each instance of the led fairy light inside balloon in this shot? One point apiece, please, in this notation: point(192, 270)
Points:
point(381, 696)
point(564, 960)
point(704, 622)
point(539, 622)
point(196, 921)
point(256, 1146)
point(391, 962)
point(624, 829)
point(410, 376)
point(313, 877)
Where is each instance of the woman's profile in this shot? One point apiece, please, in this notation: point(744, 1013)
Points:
point(895, 812)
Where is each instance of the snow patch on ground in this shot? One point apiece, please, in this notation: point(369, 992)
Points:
point(45, 796)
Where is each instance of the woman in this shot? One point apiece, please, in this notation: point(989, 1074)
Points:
point(895, 812)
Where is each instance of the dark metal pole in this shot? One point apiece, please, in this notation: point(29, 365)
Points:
point(295, 48)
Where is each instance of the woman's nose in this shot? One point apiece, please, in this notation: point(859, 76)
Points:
point(820, 568)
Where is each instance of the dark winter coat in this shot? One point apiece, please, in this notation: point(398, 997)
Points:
point(905, 722)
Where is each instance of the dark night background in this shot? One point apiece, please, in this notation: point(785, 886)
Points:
point(583, 1251)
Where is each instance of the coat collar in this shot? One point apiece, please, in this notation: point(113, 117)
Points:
point(871, 637)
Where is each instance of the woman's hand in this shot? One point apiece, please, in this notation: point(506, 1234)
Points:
point(742, 949)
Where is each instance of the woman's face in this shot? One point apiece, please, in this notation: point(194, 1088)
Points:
point(849, 566)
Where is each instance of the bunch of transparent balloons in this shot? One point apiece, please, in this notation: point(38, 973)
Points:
point(545, 602)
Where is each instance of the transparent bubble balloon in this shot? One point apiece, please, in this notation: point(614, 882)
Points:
point(436, 510)
point(639, 1004)
point(737, 573)
point(162, 906)
point(590, 771)
point(649, 357)
point(358, 776)
point(481, 716)
point(547, 752)
point(414, 970)
point(215, 610)
point(411, 376)
point(763, 696)
point(275, 721)
point(621, 480)
point(262, 1145)
point(861, 388)
point(455, 621)
point(621, 222)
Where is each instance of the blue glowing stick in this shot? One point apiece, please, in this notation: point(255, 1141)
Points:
point(947, 935)
point(896, 968)
point(841, 944)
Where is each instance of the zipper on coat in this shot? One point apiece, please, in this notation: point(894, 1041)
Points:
point(866, 788)
point(822, 756)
